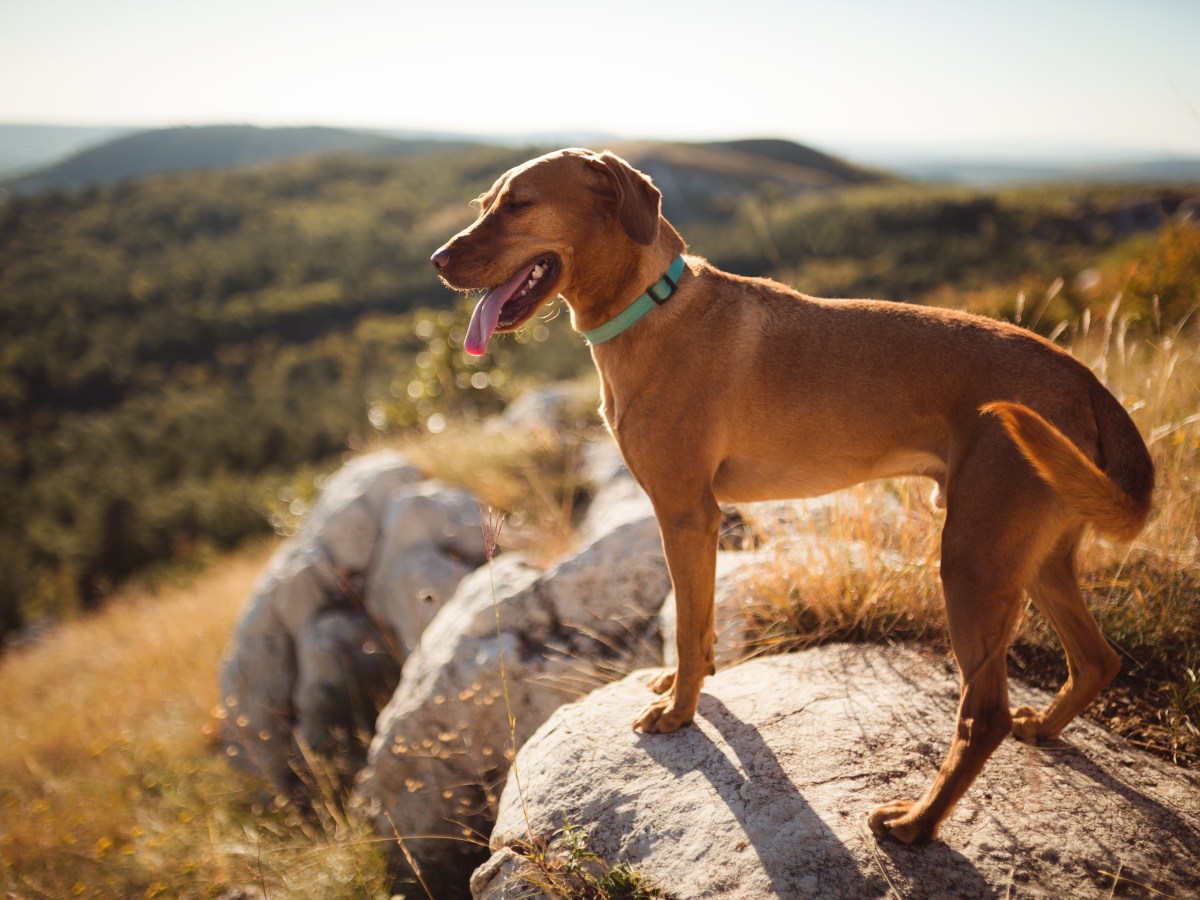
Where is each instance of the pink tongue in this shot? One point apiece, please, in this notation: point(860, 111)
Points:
point(487, 312)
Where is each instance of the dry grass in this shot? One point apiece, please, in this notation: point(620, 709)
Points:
point(531, 475)
point(111, 779)
point(868, 569)
point(862, 567)
point(1147, 595)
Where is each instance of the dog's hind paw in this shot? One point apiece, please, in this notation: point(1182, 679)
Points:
point(662, 682)
point(660, 717)
point(1029, 725)
point(897, 820)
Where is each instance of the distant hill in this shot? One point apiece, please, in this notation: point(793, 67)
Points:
point(699, 181)
point(207, 147)
point(24, 148)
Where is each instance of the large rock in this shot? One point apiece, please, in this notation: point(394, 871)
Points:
point(319, 645)
point(767, 794)
point(510, 638)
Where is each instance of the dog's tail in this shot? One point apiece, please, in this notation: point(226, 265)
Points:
point(1115, 498)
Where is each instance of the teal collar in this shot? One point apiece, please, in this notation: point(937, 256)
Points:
point(657, 294)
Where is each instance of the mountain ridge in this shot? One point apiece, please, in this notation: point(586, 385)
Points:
point(794, 167)
point(34, 157)
point(194, 148)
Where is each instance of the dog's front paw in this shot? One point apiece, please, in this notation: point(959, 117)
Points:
point(661, 717)
point(662, 682)
point(1029, 725)
point(897, 820)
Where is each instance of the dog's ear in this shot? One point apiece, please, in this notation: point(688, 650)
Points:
point(638, 201)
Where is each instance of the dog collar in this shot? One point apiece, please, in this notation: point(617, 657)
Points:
point(657, 294)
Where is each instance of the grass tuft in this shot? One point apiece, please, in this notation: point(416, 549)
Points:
point(565, 867)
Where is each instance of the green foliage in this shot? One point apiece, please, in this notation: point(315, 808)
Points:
point(176, 347)
point(567, 868)
point(907, 242)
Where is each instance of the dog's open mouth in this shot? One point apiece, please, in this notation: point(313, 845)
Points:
point(509, 305)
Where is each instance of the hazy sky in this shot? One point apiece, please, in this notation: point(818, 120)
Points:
point(1115, 74)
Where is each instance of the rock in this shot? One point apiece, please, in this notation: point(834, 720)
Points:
point(767, 794)
point(345, 519)
point(318, 648)
point(617, 498)
point(552, 407)
point(343, 676)
point(432, 536)
point(539, 639)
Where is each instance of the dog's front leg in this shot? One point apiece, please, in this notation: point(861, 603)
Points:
point(689, 535)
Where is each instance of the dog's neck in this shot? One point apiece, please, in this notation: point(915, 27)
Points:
point(598, 294)
point(622, 365)
point(654, 296)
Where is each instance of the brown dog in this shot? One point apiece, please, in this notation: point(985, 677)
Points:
point(723, 388)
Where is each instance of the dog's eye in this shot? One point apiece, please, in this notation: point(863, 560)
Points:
point(514, 205)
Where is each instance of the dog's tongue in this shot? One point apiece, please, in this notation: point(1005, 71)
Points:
point(487, 312)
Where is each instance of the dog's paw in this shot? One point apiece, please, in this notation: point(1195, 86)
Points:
point(1029, 725)
point(662, 682)
point(660, 717)
point(897, 820)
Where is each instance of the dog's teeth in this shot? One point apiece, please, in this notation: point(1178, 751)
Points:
point(538, 271)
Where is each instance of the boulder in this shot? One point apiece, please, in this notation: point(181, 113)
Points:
point(551, 407)
point(767, 794)
point(319, 645)
point(510, 639)
point(431, 537)
point(616, 496)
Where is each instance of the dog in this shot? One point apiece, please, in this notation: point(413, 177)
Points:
point(721, 388)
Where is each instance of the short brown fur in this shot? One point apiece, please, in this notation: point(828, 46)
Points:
point(741, 389)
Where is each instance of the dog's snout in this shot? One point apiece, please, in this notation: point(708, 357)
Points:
point(441, 259)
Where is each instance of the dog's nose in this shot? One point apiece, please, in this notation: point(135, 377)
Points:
point(440, 259)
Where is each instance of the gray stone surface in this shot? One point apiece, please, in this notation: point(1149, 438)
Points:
point(319, 645)
point(543, 639)
point(617, 496)
point(767, 794)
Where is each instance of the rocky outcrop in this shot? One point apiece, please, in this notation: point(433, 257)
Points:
point(511, 641)
point(381, 624)
point(320, 643)
point(767, 794)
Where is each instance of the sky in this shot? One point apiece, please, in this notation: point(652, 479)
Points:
point(1007, 77)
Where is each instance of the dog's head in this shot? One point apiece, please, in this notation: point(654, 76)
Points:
point(542, 229)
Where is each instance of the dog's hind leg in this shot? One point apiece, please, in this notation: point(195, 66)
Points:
point(1091, 662)
point(993, 541)
point(983, 717)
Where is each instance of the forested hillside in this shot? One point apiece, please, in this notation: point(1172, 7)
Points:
point(179, 350)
